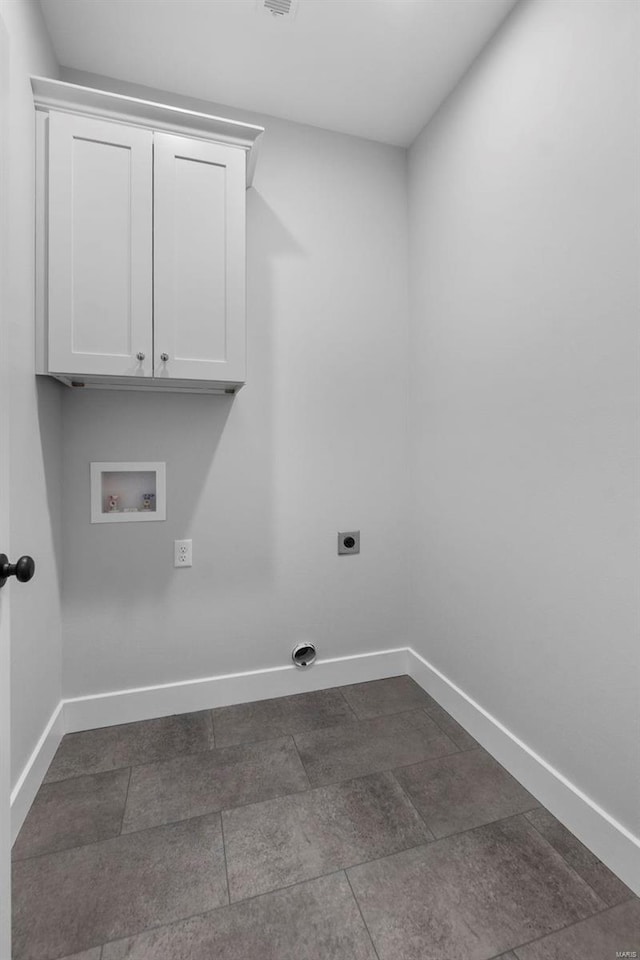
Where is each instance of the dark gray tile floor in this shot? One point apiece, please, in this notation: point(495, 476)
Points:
point(360, 823)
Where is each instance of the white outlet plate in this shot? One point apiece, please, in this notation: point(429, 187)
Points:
point(182, 553)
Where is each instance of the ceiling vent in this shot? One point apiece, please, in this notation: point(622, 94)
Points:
point(278, 9)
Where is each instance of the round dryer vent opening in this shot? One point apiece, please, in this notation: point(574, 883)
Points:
point(304, 654)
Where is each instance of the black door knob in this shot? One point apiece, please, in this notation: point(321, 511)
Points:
point(23, 570)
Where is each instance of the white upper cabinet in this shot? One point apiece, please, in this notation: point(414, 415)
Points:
point(140, 242)
point(199, 250)
point(100, 247)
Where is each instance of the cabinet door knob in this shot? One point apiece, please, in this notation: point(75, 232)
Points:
point(164, 357)
point(140, 356)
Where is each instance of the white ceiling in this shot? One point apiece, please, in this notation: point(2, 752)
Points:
point(374, 68)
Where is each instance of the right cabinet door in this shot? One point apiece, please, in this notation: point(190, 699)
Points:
point(199, 260)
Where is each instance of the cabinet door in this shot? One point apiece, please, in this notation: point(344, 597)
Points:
point(199, 260)
point(100, 247)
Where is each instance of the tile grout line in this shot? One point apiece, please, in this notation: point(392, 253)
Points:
point(385, 856)
point(241, 806)
point(447, 836)
point(144, 763)
point(413, 806)
point(94, 773)
point(378, 859)
point(344, 870)
point(402, 766)
point(348, 705)
point(442, 756)
point(402, 712)
point(197, 816)
point(223, 906)
point(366, 926)
point(456, 749)
point(169, 759)
point(568, 926)
point(123, 766)
point(284, 796)
point(606, 907)
point(226, 861)
point(363, 863)
point(584, 880)
point(433, 837)
point(306, 772)
point(334, 719)
point(333, 873)
point(131, 833)
point(442, 730)
point(124, 808)
point(89, 949)
point(168, 823)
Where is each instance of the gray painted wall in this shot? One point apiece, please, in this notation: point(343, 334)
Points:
point(520, 425)
point(523, 199)
point(315, 443)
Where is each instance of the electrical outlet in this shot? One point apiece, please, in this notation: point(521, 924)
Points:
point(182, 556)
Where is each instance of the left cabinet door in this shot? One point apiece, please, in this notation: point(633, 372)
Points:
point(100, 234)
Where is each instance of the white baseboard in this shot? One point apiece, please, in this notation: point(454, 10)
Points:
point(23, 794)
point(616, 846)
point(608, 839)
point(145, 703)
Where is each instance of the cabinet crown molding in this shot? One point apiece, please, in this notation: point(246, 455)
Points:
point(70, 97)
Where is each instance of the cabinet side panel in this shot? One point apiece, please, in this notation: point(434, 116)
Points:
point(42, 220)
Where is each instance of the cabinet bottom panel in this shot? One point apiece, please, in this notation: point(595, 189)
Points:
point(148, 384)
